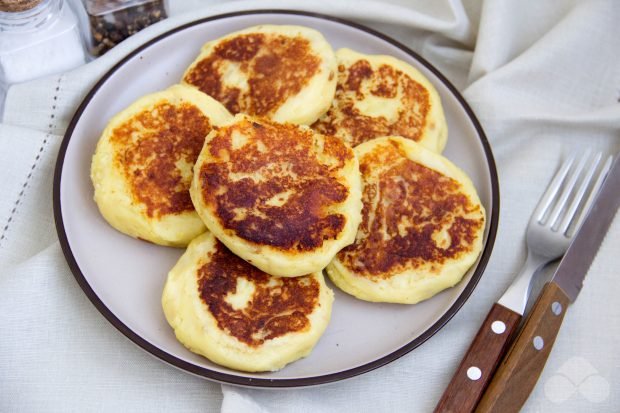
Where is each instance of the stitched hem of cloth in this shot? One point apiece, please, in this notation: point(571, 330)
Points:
point(20, 196)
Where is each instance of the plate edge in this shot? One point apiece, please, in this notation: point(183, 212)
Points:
point(260, 382)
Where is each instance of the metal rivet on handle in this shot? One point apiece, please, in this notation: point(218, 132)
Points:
point(498, 327)
point(538, 342)
point(474, 373)
point(556, 308)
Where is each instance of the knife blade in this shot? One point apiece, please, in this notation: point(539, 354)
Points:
point(518, 373)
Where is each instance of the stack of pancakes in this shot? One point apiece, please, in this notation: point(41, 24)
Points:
point(274, 159)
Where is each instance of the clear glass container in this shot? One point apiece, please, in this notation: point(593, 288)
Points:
point(112, 21)
point(38, 38)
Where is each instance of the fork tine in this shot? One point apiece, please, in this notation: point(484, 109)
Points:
point(553, 188)
point(579, 196)
point(567, 191)
point(595, 188)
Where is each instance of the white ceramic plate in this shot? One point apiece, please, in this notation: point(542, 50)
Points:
point(124, 277)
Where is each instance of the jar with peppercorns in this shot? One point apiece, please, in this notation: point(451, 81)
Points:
point(112, 21)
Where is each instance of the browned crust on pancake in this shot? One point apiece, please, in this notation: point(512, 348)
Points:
point(429, 199)
point(147, 157)
point(303, 222)
point(273, 311)
point(277, 68)
point(355, 127)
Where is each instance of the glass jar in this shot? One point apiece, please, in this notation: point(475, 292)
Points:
point(112, 21)
point(37, 38)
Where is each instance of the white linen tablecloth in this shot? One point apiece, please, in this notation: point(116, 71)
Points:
point(543, 77)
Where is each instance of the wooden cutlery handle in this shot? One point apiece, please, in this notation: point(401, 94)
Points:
point(519, 371)
point(476, 369)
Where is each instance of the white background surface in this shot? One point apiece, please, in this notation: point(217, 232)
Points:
point(542, 78)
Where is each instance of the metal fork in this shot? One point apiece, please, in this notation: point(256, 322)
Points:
point(550, 230)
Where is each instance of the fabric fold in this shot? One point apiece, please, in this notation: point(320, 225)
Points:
point(543, 78)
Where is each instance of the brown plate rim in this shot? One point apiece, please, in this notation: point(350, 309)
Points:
point(264, 382)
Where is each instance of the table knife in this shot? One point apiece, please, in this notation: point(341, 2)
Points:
point(518, 372)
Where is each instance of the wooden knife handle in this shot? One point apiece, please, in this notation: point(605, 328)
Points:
point(476, 369)
point(519, 371)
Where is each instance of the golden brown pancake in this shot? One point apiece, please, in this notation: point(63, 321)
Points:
point(381, 96)
point(286, 73)
point(280, 196)
point(142, 167)
point(422, 225)
point(238, 316)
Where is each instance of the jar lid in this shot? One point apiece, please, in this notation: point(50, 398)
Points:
point(101, 7)
point(18, 5)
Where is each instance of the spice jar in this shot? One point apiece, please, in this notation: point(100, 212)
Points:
point(112, 21)
point(37, 38)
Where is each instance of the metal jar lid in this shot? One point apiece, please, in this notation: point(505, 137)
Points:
point(18, 5)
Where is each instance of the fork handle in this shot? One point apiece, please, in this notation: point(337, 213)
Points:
point(479, 363)
point(519, 371)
